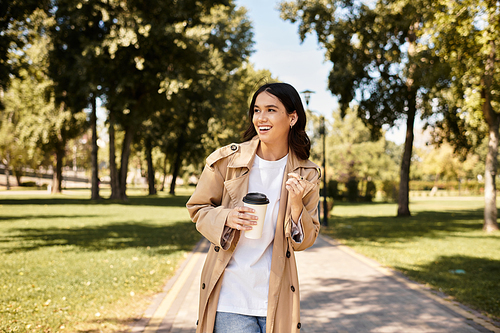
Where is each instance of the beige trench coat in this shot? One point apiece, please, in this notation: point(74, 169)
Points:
point(222, 186)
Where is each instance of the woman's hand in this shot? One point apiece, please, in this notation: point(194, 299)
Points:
point(296, 187)
point(241, 218)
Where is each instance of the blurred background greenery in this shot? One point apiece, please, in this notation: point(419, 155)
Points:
point(170, 82)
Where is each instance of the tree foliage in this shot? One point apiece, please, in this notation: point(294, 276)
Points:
point(355, 155)
point(225, 45)
point(436, 163)
point(15, 35)
point(163, 64)
point(380, 61)
point(467, 35)
point(353, 158)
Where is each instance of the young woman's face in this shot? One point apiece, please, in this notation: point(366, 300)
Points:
point(271, 120)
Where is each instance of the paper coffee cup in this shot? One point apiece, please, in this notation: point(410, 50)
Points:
point(259, 202)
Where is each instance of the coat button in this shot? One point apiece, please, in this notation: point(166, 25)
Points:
point(288, 254)
point(216, 249)
point(202, 286)
point(293, 288)
point(299, 326)
point(234, 147)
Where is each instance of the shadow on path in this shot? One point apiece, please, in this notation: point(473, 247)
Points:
point(379, 304)
point(342, 293)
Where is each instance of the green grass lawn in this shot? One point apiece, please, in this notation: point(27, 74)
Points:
point(67, 264)
point(441, 245)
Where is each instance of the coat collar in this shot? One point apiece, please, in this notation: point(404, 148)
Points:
point(246, 155)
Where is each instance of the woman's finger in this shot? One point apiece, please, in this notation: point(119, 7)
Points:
point(295, 182)
point(241, 218)
point(295, 175)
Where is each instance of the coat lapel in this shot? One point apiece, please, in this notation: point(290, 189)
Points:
point(235, 187)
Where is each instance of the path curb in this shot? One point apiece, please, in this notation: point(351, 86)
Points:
point(153, 319)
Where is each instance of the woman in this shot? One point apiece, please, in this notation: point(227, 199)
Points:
point(251, 285)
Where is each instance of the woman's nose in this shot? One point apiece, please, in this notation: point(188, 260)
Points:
point(262, 116)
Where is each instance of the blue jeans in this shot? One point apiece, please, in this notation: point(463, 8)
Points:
point(226, 322)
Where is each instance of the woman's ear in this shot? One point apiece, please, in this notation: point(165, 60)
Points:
point(293, 118)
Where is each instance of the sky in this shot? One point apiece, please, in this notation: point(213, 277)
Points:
point(278, 48)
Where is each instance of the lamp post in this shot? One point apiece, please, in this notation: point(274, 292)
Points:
point(322, 132)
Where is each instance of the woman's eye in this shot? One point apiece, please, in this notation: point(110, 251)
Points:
point(256, 110)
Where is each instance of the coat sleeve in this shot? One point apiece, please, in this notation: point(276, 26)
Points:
point(309, 219)
point(205, 208)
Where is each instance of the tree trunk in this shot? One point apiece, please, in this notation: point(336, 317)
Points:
point(95, 163)
point(404, 180)
point(151, 171)
point(490, 191)
point(177, 162)
point(127, 141)
point(7, 171)
point(113, 171)
point(18, 174)
point(162, 187)
point(57, 177)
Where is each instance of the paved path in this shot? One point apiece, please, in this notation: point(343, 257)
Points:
point(341, 291)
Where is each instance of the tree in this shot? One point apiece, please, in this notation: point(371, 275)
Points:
point(138, 58)
point(113, 170)
point(75, 63)
point(121, 52)
point(14, 35)
point(467, 34)
point(355, 156)
point(10, 147)
point(149, 130)
point(203, 88)
point(229, 118)
point(150, 56)
point(379, 61)
point(39, 124)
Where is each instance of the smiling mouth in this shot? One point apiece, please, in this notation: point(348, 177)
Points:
point(264, 129)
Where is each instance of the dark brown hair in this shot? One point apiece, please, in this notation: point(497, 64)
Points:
point(298, 140)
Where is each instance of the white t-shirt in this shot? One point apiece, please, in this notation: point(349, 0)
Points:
point(245, 284)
